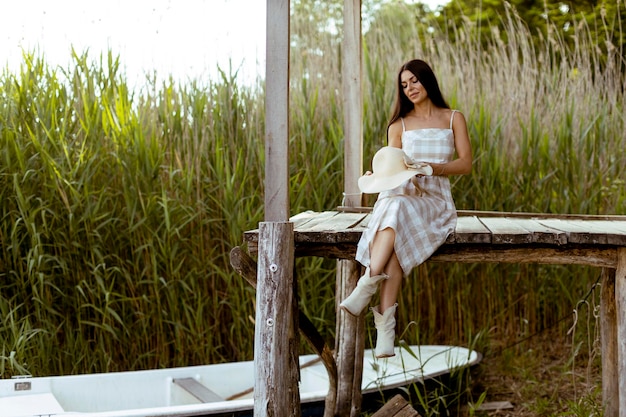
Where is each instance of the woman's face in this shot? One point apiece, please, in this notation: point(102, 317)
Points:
point(412, 88)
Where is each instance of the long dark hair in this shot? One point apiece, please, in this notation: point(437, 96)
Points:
point(426, 76)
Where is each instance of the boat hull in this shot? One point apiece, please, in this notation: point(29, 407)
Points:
point(210, 390)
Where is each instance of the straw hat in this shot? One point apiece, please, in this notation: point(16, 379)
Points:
point(391, 168)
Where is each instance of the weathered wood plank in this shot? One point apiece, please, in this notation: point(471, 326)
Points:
point(300, 219)
point(506, 231)
point(562, 255)
point(470, 229)
point(397, 406)
point(366, 220)
point(615, 231)
point(311, 221)
point(511, 214)
point(345, 221)
point(603, 256)
point(608, 338)
point(620, 303)
point(540, 233)
point(275, 339)
point(538, 216)
point(578, 231)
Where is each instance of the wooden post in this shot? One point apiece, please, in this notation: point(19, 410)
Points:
point(276, 390)
point(351, 81)
point(350, 344)
point(608, 336)
point(277, 112)
point(620, 297)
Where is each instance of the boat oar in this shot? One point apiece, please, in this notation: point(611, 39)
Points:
point(251, 389)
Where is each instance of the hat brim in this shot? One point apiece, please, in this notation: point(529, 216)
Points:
point(372, 184)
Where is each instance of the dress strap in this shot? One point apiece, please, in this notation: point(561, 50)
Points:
point(402, 120)
point(451, 118)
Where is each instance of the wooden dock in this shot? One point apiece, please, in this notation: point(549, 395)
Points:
point(498, 237)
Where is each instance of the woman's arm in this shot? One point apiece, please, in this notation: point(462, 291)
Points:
point(463, 163)
point(394, 134)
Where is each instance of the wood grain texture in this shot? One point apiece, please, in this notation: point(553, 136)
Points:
point(608, 337)
point(275, 344)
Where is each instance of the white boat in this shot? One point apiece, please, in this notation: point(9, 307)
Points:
point(209, 390)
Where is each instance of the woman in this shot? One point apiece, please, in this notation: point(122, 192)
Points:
point(410, 221)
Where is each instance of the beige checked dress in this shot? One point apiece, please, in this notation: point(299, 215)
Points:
point(422, 219)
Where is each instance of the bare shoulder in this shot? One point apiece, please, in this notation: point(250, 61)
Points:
point(443, 117)
point(457, 117)
point(394, 133)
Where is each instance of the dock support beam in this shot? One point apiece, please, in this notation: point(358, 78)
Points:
point(276, 376)
point(608, 336)
point(350, 344)
point(620, 299)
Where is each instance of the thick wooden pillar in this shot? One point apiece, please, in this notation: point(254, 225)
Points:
point(350, 344)
point(620, 297)
point(276, 390)
point(608, 336)
point(277, 112)
point(352, 101)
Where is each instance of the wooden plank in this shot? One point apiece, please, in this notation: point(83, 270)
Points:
point(337, 223)
point(615, 231)
point(313, 222)
point(470, 230)
point(275, 339)
point(538, 216)
point(604, 256)
point(505, 231)
point(620, 303)
point(513, 214)
point(366, 220)
point(397, 406)
point(608, 337)
point(579, 231)
point(540, 233)
point(300, 219)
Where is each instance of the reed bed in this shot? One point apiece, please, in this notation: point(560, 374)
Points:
point(120, 205)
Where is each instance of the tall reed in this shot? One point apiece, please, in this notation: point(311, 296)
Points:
point(120, 205)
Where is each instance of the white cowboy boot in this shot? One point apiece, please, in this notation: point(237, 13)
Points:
point(362, 294)
point(385, 331)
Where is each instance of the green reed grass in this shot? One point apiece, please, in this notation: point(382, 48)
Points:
point(120, 205)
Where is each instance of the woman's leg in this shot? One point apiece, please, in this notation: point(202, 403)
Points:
point(381, 250)
point(390, 287)
point(368, 283)
point(383, 259)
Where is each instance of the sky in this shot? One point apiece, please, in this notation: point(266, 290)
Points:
point(187, 39)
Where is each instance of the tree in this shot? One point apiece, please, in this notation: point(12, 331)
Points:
point(556, 20)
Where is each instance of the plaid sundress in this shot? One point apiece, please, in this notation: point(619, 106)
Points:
point(422, 218)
